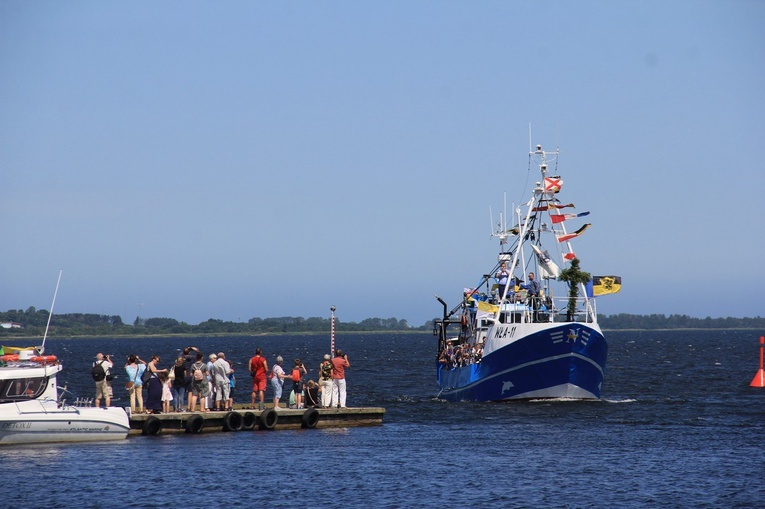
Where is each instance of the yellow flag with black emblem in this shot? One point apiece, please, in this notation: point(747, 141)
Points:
point(602, 285)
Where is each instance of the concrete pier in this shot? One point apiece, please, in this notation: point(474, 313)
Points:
point(242, 419)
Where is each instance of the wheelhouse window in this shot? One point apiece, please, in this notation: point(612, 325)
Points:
point(21, 389)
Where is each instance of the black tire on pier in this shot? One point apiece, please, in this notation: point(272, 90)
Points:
point(232, 421)
point(194, 424)
point(249, 420)
point(268, 419)
point(310, 418)
point(152, 426)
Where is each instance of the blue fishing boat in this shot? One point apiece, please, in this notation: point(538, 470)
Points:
point(529, 329)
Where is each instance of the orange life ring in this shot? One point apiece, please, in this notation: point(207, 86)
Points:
point(43, 359)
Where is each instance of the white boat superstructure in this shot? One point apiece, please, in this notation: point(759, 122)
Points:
point(31, 411)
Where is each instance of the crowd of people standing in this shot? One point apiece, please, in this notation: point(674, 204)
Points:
point(192, 382)
point(329, 391)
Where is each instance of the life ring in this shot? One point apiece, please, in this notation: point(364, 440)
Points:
point(43, 359)
point(309, 419)
point(232, 421)
point(268, 419)
point(249, 420)
point(152, 426)
point(194, 424)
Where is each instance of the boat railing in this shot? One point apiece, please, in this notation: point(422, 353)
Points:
point(549, 309)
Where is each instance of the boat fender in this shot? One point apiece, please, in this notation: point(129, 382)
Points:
point(152, 426)
point(268, 419)
point(232, 421)
point(249, 420)
point(194, 424)
point(309, 419)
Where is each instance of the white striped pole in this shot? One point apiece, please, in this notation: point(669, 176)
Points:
point(332, 344)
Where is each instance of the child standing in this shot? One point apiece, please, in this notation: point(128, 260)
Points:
point(167, 394)
point(297, 374)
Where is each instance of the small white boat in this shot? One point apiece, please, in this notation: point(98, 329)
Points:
point(31, 412)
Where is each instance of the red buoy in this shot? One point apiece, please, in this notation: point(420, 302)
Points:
point(759, 378)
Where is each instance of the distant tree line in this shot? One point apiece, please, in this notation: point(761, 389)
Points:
point(656, 321)
point(33, 321)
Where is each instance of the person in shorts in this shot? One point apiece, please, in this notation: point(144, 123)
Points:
point(259, 369)
point(103, 387)
point(297, 382)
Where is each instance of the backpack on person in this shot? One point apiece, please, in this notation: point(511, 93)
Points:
point(146, 375)
point(98, 372)
point(198, 374)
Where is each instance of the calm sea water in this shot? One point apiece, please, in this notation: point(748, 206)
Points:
point(679, 426)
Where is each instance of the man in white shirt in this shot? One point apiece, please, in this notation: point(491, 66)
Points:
point(220, 371)
point(103, 387)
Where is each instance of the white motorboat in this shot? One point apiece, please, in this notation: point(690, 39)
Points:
point(31, 411)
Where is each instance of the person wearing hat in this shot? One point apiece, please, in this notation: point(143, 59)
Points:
point(325, 381)
point(277, 380)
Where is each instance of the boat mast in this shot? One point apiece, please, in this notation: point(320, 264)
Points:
point(50, 315)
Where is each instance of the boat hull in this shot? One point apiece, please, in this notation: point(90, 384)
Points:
point(70, 424)
point(555, 360)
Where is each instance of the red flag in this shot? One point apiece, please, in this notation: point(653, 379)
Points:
point(569, 236)
point(559, 218)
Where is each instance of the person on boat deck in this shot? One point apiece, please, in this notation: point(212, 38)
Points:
point(103, 387)
point(515, 287)
point(502, 276)
point(533, 287)
point(447, 356)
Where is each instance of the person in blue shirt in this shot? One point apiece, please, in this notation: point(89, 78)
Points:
point(135, 368)
point(533, 288)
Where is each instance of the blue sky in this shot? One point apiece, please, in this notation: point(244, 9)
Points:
point(229, 160)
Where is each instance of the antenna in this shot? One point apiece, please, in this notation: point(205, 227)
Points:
point(504, 196)
point(50, 315)
point(529, 137)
